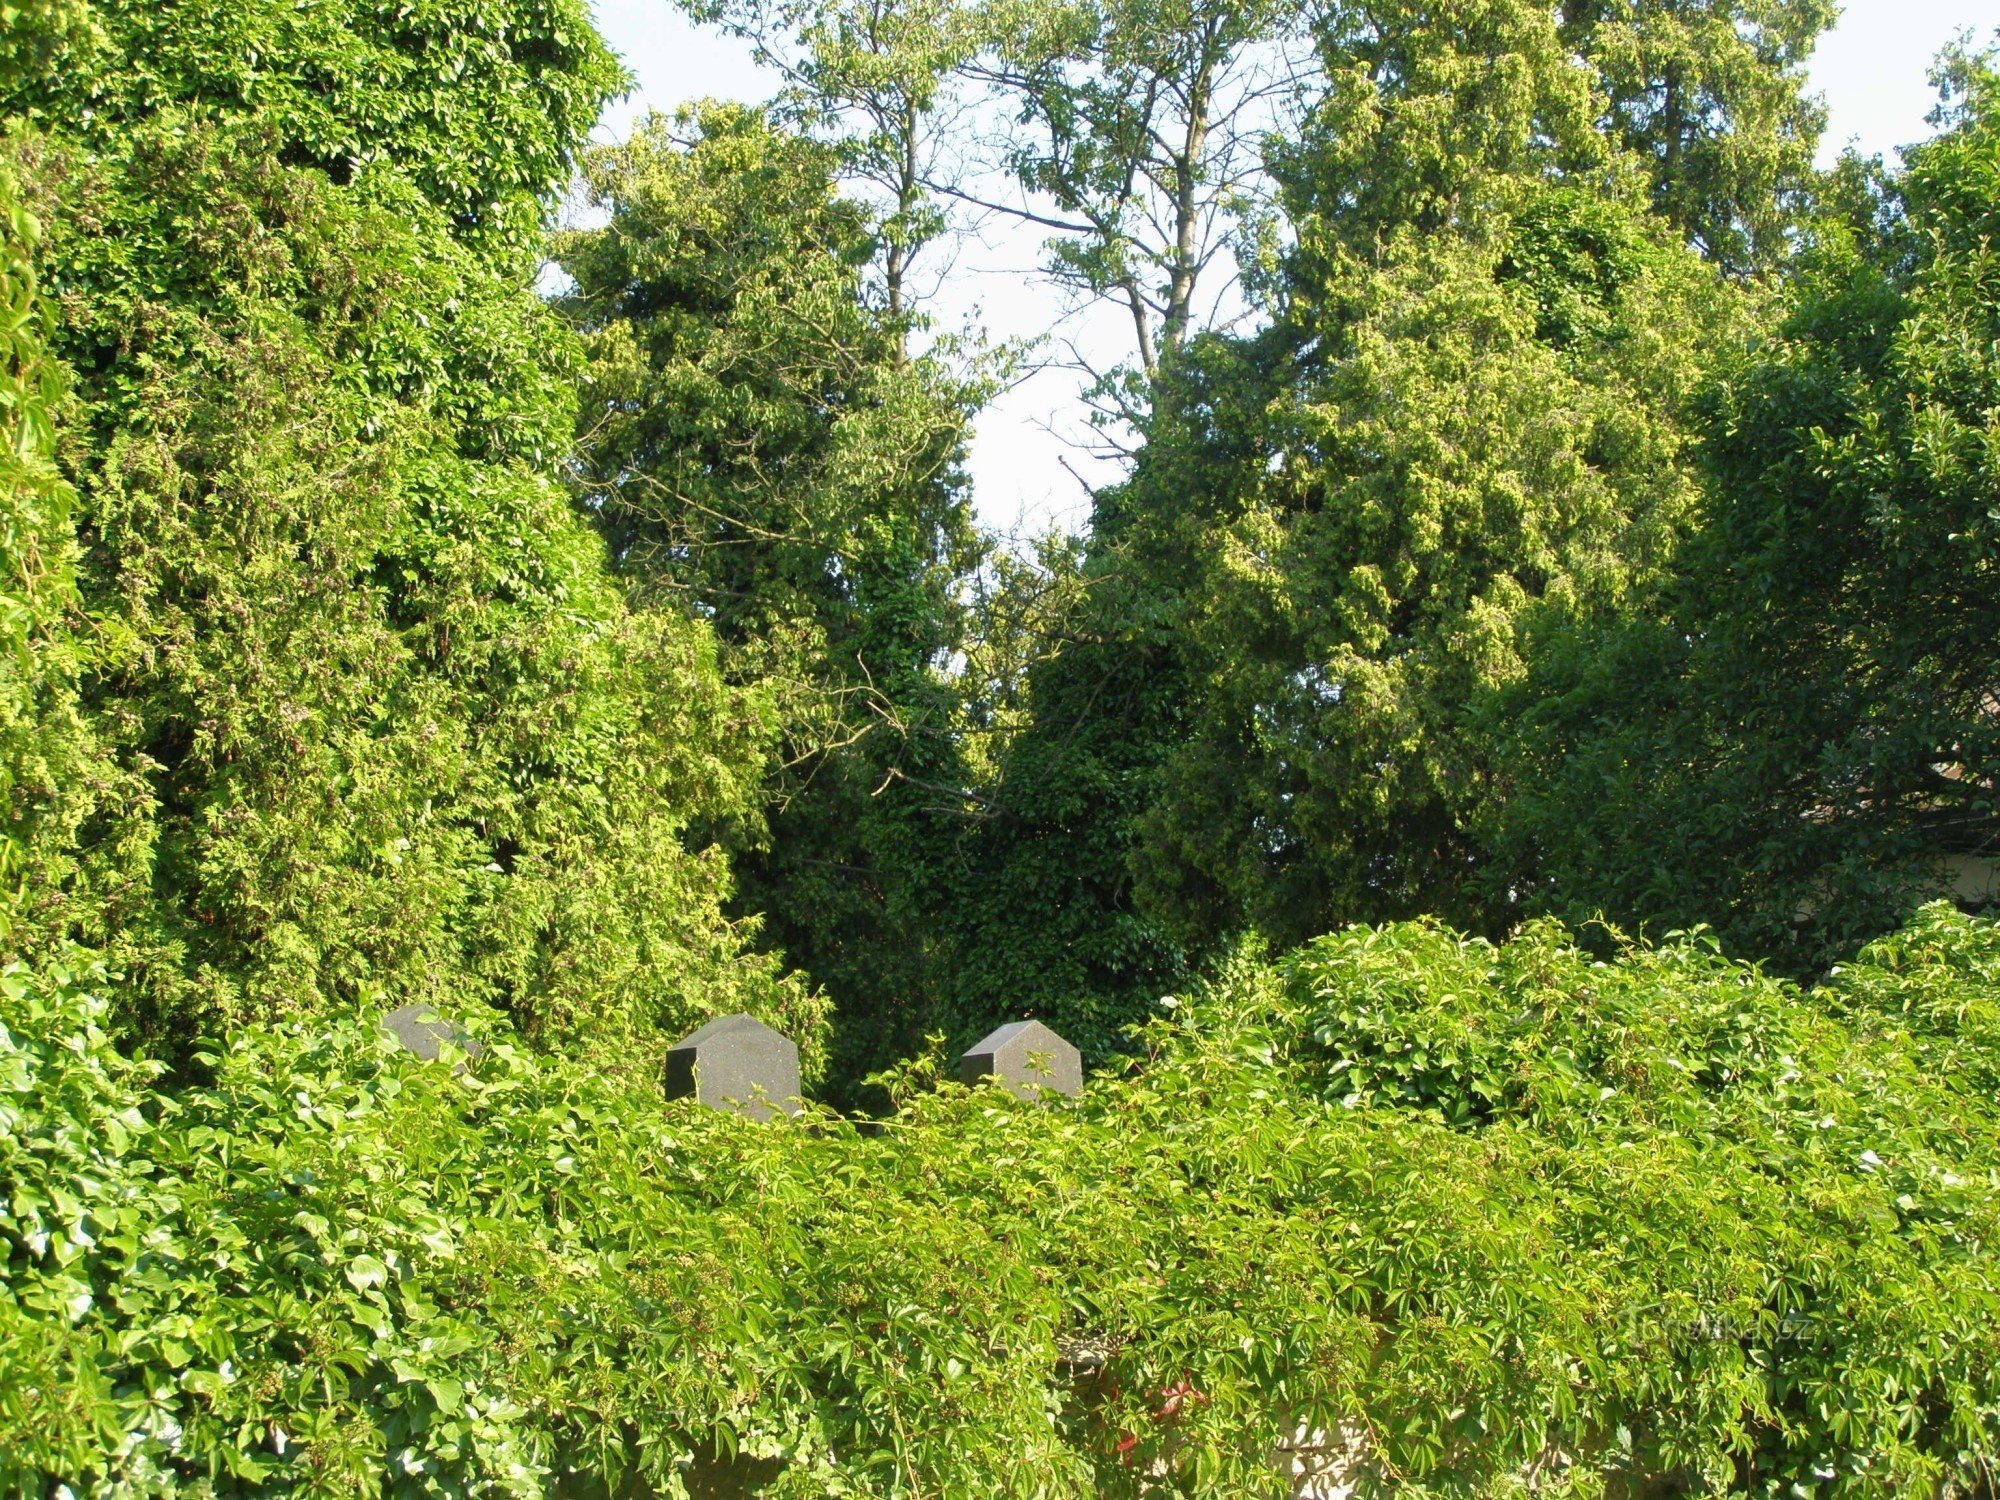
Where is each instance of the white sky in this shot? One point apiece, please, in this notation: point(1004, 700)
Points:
point(1028, 470)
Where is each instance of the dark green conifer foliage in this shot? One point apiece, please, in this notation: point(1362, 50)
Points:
point(379, 721)
point(1034, 902)
point(1487, 425)
point(1472, 406)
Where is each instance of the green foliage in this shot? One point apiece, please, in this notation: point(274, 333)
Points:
point(37, 515)
point(1499, 1217)
point(1711, 97)
point(759, 448)
point(1457, 440)
point(876, 82)
point(1798, 734)
point(1033, 900)
point(1424, 118)
point(1863, 1142)
point(755, 440)
point(44, 741)
point(1471, 415)
point(1425, 115)
point(336, 672)
point(34, 33)
point(479, 105)
point(373, 719)
point(1933, 977)
point(35, 528)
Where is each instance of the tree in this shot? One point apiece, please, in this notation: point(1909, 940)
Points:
point(1428, 124)
point(1033, 902)
point(1142, 128)
point(1472, 407)
point(1798, 736)
point(381, 722)
point(1709, 94)
point(1704, 101)
point(1496, 431)
point(877, 81)
point(1130, 132)
point(759, 447)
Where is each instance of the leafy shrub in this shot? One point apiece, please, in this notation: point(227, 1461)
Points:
point(1659, 1221)
point(1842, 1143)
point(1938, 979)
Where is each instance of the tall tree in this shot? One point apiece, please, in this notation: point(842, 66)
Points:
point(1492, 430)
point(1704, 99)
point(1132, 133)
point(1472, 408)
point(1429, 123)
point(759, 445)
point(1136, 134)
point(1033, 895)
point(1800, 740)
point(877, 80)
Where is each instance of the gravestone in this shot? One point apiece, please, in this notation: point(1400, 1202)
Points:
point(423, 1031)
point(737, 1063)
point(1024, 1057)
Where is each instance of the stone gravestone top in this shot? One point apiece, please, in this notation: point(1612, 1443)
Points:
point(737, 1063)
point(1024, 1057)
point(423, 1031)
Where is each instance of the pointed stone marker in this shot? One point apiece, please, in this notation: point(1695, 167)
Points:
point(737, 1063)
point(423, 1031)
point(1024, 1057)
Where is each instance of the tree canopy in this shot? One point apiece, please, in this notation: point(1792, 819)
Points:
point(1798, 738)
point(1504, 793)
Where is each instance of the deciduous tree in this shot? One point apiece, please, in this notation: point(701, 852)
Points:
point(1800, 734)
point(761, 450)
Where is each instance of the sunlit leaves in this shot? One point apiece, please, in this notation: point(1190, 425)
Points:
point(1484, 1211)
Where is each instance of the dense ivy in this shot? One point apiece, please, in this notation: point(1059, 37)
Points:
point(35, 507)
point(1480, 1217)
point(44, 739)
point(480, 106)
point(374, 719)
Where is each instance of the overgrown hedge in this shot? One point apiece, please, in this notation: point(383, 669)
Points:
point(345, 704)
point(1508, 1218)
